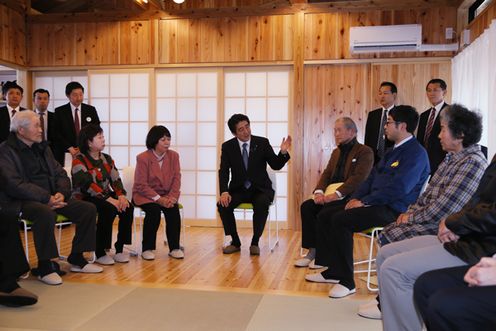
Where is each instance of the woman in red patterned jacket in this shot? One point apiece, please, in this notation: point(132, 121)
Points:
point(95, 176)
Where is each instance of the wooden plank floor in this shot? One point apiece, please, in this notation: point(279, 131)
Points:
point(205, 267)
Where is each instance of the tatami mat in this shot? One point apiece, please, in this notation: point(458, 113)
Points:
point(79, 307)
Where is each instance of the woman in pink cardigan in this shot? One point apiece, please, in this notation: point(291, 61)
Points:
point(157, 181)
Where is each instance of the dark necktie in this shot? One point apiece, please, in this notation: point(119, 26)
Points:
point(381, 144)
point(430, 124)
point(245, 162)
point(42, 125)
point(13, 112)
point(77, 127)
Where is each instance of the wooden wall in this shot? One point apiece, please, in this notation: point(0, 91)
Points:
point(222, 40)
point(233, 39)
point(89, 43)
point(12, 36)
point(327, 34)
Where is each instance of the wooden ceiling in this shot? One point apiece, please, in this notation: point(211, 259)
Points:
point(55, 10)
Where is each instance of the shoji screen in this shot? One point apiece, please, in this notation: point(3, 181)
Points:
point(186, 103)
point(123, 101)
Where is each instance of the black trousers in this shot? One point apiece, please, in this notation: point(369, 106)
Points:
point(310, 212)
point(13, 261)
point(261, 203)
point(152, 222)
point(445, 301)
point(338, 238)
point(81, 213)
point(106, 215)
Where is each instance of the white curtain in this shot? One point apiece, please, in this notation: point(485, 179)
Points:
point(474, 82)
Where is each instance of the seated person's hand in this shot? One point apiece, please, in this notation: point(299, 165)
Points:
point(225, 199)
point(483, 273)
point(57, 201)
point(114, 202)
point(331, 197)
point(444, 234)
point(319, 198)
point(402, 219)
point(122, 202)
point(285, 145)
point(354, 203)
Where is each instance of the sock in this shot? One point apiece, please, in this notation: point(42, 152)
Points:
point(254, 241)
point(311, 254)
point(235, 240)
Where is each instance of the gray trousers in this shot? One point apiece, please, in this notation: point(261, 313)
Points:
point(399, 265)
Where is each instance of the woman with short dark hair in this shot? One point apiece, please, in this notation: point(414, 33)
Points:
point(97, 179)
point(157, 181)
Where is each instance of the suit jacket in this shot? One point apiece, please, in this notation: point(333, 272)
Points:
point(372, 130)
point(357, 167)
point(65, 123)
point(397, 179)
point(434, 150)
point(151, 180)
point(261, 154)
point(5, 122)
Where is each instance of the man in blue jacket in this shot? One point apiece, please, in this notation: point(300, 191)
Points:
point(394, 183)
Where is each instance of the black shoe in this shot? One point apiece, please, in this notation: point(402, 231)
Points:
point(18, 297)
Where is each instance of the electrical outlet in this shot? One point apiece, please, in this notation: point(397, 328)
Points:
point(449, 33)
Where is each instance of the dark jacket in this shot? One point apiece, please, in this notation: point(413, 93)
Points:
point(18, 187)
point(476, 222)
point(357, 167)
point(260, 154)
point(65, 123)
point(397, 179)
point(372, 130)
point(5, 122)
point(434, 149)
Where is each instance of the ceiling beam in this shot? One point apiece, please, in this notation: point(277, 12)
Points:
point(271, 8)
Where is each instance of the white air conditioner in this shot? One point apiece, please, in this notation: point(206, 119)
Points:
point(385, 38)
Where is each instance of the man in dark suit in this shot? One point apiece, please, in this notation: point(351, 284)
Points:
point(376, 119)
point(13, 94)
point(430, 123)
point(41, 99)
point(243, 177)
point(70, 118)
point(348, 167)
point(394, 183)
point(13, 262)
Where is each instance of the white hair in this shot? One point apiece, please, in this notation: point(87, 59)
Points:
point(22, 119)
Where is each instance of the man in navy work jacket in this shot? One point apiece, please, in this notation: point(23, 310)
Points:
point(394, 183)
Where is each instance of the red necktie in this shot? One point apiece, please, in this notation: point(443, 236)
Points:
point(77, 127)
point(430, 124)
point(42, 124)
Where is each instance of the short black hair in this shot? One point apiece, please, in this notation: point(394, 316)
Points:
point(86, 134)
point(235, 119)
point(156, 133)
point(73, 86)
point(405, 114)
point(11, 85)
point(463, 124)
point(393, 87)
point(40, 90)
point(439, 81)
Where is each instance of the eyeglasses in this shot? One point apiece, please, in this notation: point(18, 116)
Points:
point(389, 122)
